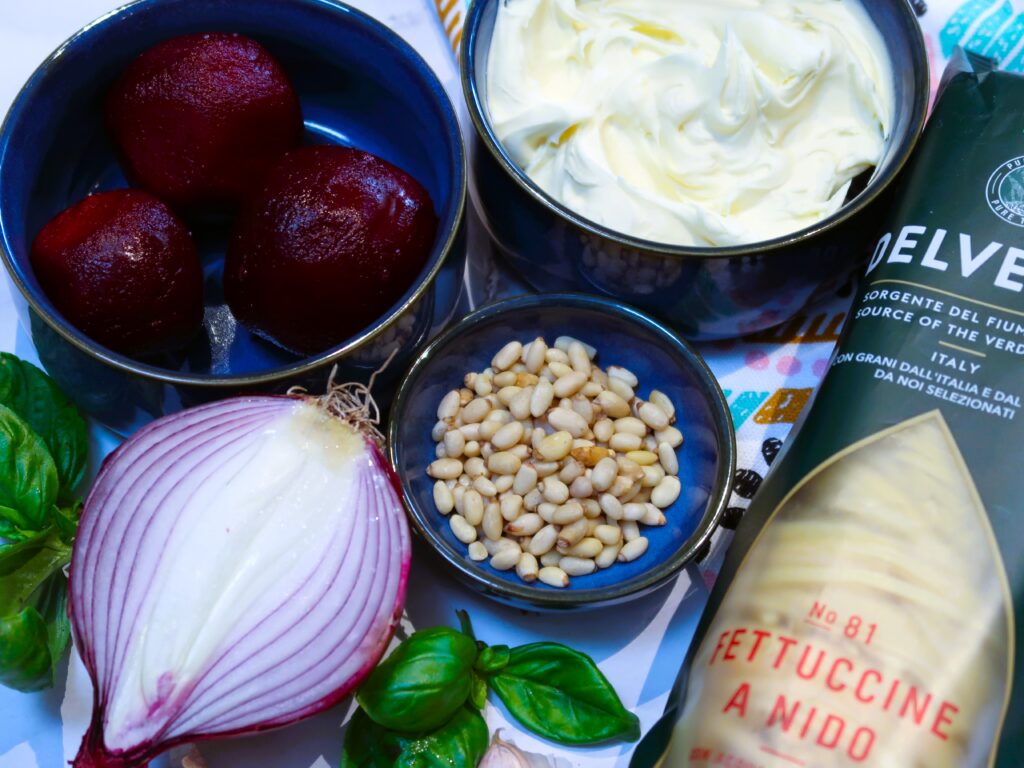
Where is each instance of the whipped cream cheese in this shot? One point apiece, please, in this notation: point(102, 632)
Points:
point(691, 122)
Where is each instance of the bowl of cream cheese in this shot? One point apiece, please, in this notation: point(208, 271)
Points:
point(716, 162)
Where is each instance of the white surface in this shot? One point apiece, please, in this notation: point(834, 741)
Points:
point(639, 647)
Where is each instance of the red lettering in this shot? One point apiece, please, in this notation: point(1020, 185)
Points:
point(818, 610)
point(803, 658)
point(942, 718)
point(859, 693)
point(860, 745)
point(721, 642)
point(822, 735)
point(830, 680)
point(810, 720)
point(891, 696)
point(739, 700)
point(779, 713)
point(729, 655)
point(787, 643)
point(761, 635)
point(911, 703)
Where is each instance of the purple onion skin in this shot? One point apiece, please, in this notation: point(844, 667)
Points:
point(93, 752)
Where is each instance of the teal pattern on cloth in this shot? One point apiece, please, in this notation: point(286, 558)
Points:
point(992, 28)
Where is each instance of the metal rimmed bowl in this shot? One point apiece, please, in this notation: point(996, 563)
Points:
point(622, 336)
point(359, 83)
point(705, 293)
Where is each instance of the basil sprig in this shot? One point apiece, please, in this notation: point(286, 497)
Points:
point(420, 707)
point(43, 456)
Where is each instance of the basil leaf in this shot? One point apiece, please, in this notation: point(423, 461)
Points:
point(493, 658)
point(28, 476)
point(561, 695)
point(422, 683)
point(25, 661)
point(478, 692)
point(35, 397)
point(459, 743)
point(26, 566)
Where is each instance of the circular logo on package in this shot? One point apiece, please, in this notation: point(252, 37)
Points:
point(1005, 192)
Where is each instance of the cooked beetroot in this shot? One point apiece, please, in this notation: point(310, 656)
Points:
point(122, 268)
point(199, 119)
point(333, 237)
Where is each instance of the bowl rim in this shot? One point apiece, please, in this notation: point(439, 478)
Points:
point(659, 574)
point(376, 30)
point(876, 186)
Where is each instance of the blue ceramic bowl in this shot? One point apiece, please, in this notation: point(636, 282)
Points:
point(359, 84)
point(705, 293)
point(622, 336)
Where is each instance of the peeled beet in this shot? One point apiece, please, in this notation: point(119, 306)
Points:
point(199, 119)
point(332, 238)
point(122, 268)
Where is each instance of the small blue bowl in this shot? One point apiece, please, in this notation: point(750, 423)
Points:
point(359, 84)
point(622, 336)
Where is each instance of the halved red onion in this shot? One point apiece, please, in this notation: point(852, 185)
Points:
point(238, 566)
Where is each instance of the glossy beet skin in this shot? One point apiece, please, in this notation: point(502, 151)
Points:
point(123, 269)
point(199, 119)
point(330, 241)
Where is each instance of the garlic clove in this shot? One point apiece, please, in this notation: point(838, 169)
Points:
point(505, 754)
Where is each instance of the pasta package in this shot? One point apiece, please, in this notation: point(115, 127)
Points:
point(869, 610)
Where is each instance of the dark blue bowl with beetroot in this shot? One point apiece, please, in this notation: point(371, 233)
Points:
point(359, 84)
point(622, 336)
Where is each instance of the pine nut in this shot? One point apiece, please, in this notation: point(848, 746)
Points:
point(454, 443)
point(475, 411)
point(503, 483)
point(475, 467)
point(473, 507)
point(543, 541)
point(608, 534)
point(609, 556)
point(612, 404)
point(668, 458)
point(623, 374)
point(554, 490)
point(545, 468)
point(535, 355)
point(443, 499)
point(553, 576)
point(588, 547)
point(547, 511)
point(581, 488)
point(653, 416)
point(493, 547)
point(568, 513)
point(511, 506)
point(653, 516)
point(555, 355)
point(508, 356)
point(629, 468)
point(591, 389)
point(604, 429)
point(564, 342)
point(526, 568)
point(554, 557)
point(445, 469)
point(621, 388)
point(492, 524)
point(591, 508)
point(504, 462)
point(672, 436)
point(589, 455)
point(505, 559)
point(504, 379)
point(477, 551)
point(556, 447)
point(533, 499)
point(463, 531)
point(507, 394)
point(578, 358)
point(577, 566)
point(662, 400)
point(584, 408)
point(485, 487)
point(569, 384)
point(621, 487)
point(568, 421)
point(625, 442)
point(519, 405)
point(572, 534)
point(652, 476)
point(438, 432)
point(520, 451)
point(560, 369)
point(482, 386)
point(633, 511)
point(631, 425)
point(525, 525)
point(630, 530)
point(571, 470)
point(459, 496)
point(666, 493)
point(604, 474)
point(472, 448)
point(524, 379)
point(543, 396)
point(449, 406)
point(525, 480)
point(439, 451)
point(470, 431)
point(611, 506)
point(643, 458)
point(633, 549)
point(465, 395)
